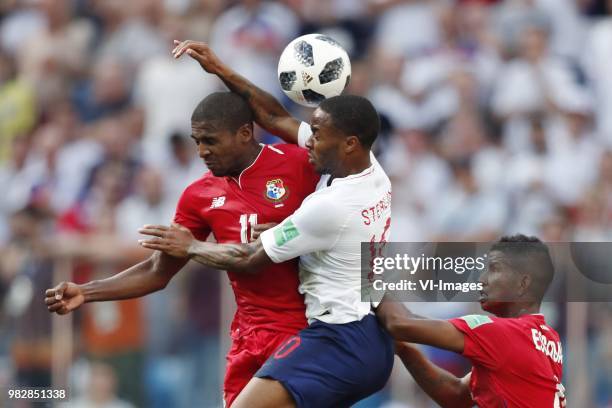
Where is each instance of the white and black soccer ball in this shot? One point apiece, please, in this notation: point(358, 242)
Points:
point(313, 67)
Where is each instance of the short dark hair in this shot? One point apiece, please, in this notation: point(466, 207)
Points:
point(529, 254)
point(354, 116)
point(225, 109)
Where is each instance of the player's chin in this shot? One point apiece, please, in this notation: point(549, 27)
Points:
point(217, 172)
point(490, 306)
point(317, 166)
point(484, 304)
point(311, 159)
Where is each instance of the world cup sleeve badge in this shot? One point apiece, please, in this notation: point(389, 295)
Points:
point(276, 191)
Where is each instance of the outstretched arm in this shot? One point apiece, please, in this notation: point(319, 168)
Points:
point(178, 241)
point(269, 113)
point(441, 386)
point(148, 276)
point(403, 325)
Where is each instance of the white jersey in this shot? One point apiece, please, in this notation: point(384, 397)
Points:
point(326, 232)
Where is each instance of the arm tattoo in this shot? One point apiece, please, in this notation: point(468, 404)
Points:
point(223, 256)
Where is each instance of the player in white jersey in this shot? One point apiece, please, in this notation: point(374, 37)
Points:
point(327, 231)
point(343, 355)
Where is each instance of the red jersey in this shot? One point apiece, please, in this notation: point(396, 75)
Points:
point(517, 362)
point(269, 190)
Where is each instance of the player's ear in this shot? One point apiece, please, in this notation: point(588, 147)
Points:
point(350, 144)
point(525, 284)
point(245, 132)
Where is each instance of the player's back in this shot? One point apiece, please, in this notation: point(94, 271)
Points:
point(517, 362)
point(266, 192)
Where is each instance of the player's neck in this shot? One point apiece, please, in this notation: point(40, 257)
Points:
point(353, 166)
point(520, 308)
point(248, 159)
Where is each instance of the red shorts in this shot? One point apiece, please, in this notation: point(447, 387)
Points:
point(246, 356)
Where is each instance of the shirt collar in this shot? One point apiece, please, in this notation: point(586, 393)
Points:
point(363, 173)
point(238, 180)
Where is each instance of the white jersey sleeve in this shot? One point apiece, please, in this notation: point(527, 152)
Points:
point(304, 134)
point(315, 226)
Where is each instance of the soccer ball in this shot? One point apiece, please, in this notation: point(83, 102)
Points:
point(313, 67)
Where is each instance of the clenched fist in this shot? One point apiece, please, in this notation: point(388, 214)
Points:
point(64, 298)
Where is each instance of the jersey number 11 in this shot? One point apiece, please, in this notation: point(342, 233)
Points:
point(246, 227)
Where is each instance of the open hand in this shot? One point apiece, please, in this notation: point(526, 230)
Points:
point(174, 240)
point(200, 52)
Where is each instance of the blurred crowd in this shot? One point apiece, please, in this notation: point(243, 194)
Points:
point(497, 119)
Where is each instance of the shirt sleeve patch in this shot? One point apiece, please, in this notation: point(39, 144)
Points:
point(286, 233)
point(473, 321)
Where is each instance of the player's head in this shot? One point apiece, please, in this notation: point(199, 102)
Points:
point(519, 271)
point(343, 126)
point(222, 127)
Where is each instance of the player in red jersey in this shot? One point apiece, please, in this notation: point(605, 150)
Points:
point(248, 184)
point(517, 358)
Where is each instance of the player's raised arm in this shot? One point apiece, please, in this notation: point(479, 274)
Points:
point(406, 326)
point(269, 113)
point(148, 276)
point(443, 387)
point(178, 241)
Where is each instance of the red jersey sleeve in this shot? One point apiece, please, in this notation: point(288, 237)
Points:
point(486, 339)
point(188, 215)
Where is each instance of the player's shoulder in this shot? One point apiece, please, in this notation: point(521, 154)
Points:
point(205, 186)
point(538, 322)
point(287, 157)
point(329, 204)
point(380, 171)
point(483, 324)
point(288, 150)
point(206, 180)
point(474, 321)
point(510, 326)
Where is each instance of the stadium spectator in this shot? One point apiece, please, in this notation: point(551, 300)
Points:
point(101, 389)
point(182, 165)
point(465, 212)
point(250, 35)
point(18, 113)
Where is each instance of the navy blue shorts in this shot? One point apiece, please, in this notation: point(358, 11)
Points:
point(333, 365)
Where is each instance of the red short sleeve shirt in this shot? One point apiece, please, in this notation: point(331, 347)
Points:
point(269, 190)
point(517, 362)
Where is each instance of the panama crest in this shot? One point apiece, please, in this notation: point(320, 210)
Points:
point(275, 190)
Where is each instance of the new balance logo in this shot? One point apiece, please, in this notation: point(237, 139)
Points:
point(306, 78)
point(217, 202)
